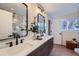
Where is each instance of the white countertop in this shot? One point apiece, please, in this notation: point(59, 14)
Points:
point(24, 48)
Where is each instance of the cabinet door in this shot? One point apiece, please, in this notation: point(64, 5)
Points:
point(43, 50)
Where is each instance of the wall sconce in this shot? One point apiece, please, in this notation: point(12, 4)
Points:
point(40, 7)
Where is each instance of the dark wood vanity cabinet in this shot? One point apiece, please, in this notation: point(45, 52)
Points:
point(44, 49)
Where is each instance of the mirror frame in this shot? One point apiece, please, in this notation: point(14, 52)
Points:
point(26, 22)
point(43, 20)
point(26, 18)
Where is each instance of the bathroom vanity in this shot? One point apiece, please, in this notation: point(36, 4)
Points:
point(44, 49)
point(20, 40)
point(30, 47)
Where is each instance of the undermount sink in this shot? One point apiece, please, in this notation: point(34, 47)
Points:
point(32, 42)
point(28, 43)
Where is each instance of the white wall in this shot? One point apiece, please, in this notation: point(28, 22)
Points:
point(66, 35)
point(5, 24)
point(69, 35)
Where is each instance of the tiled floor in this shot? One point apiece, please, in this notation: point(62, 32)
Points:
point(59, 50)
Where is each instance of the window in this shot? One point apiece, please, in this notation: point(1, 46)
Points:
point(71, 24)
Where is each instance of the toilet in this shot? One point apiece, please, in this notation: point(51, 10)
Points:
point(76, 50)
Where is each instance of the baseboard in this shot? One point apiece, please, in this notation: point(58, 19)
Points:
point(59, 44)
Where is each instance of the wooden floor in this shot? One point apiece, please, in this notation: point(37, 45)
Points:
point(59, 50)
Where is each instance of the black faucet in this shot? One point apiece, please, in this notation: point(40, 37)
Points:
point(15, 35)
point(10, 44)
point(21, 41)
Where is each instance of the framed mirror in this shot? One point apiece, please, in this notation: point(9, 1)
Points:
point(14, 18)
point(41, 23)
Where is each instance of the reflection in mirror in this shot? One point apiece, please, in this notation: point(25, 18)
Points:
point(41, 23)
point(13, 19)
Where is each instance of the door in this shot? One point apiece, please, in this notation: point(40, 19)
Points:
point(56, 31)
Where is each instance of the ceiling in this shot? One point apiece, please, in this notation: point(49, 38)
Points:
point(55, 10)
point(17, 8)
